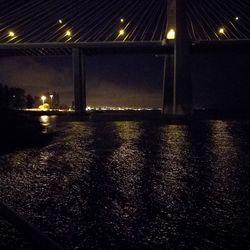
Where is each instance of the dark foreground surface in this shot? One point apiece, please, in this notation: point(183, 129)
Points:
point(20, 130)
point(133, 185)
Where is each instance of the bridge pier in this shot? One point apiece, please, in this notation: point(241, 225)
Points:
point(79, 78)
point(168, 84)
point(177, 90)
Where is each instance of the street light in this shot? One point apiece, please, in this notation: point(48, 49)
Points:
point(11, 33)
point(222, 31)
point(51, 97)
point(68, 33)
point(121, 32)
point(43, 98)
point(171, 34)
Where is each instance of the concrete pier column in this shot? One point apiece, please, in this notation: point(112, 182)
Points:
point(79, 78)
point(177, 76)
point(168, 84)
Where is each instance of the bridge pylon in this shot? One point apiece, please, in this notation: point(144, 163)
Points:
point(177, 86)
point(79, 78)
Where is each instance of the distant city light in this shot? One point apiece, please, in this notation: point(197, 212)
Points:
point(11, 33)
point(68, 33)
point(171, 34)
point(51, 102)
point(60, 21)
point(121, 32)
point(122, 20)
point(108, 108)
point(222, 31)
point(43, 98)
point(237, 18)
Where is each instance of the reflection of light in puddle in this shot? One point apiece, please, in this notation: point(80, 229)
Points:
point(45, 120)
point(223, 155)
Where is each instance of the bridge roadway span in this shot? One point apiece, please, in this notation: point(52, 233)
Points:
point(99, 48)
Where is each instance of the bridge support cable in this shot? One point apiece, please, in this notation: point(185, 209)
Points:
point(79, 79)
point(177, 77)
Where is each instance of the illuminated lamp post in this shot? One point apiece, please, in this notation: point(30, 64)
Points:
point(51, 101)
point(43, 98)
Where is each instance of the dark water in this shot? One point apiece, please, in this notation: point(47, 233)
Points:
point(134, 185)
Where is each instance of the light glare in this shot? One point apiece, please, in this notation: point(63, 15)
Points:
point(222, 31)
point(171, 34)
point(121, 32)
point(68, 33)
point(11, 34)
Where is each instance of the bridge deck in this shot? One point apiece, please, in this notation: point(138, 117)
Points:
point(158, 47)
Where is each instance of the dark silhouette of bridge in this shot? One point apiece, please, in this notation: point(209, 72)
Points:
point(176, 47)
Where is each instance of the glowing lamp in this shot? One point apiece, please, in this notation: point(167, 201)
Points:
point(171, 34)
point(43, 98)
point(222, 31)
point(68, 33)
point(11, 34)
point(121, 32)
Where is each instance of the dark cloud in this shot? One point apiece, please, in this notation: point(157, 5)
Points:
point(37, 76)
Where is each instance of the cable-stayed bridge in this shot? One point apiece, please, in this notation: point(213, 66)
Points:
point(175, 28)
point(36, 21)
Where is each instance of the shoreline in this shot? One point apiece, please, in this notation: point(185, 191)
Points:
point(154, 115)
point(19, 131)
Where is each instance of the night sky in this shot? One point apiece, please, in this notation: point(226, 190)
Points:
point(133, 81)
point(111, 80)
point(219, 80)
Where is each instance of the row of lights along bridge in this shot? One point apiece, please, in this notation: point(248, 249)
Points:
point(68, 33)
point(121, 33)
